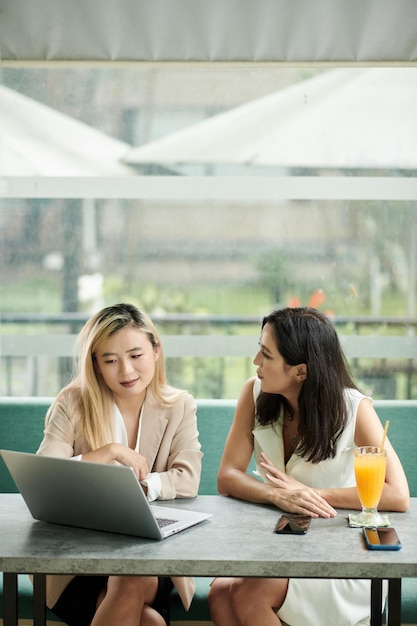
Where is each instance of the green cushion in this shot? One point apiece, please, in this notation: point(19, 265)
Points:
point(21, 428)
point(409, 601)
point(402, 433)
point(214, 419)
point(22, 422)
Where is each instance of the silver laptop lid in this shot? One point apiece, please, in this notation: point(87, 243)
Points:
point(91, 495)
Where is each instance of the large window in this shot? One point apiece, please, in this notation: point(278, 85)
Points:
point(208, 196)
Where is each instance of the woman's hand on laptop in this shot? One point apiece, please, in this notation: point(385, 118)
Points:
point(122, 454)
point(127, 456)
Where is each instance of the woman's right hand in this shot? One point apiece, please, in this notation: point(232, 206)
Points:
point(304, 500)
point(123, 455)
point(292, 495)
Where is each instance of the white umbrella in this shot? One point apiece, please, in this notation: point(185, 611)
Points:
point(36, 140)
point(346, 118)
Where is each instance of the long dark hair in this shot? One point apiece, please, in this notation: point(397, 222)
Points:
point(304, 335)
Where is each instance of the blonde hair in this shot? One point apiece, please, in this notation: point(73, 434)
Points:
point(94, 401)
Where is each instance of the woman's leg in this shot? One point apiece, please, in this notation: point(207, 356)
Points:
point(150, 617)
point(124, 601)
point(256, 600)
point(247, 601)
point(220, 602)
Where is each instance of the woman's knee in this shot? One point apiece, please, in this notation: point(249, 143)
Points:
point(219, 590)
point(150, 617)
point(138, 587)
point(269, 592)
point(241, 592)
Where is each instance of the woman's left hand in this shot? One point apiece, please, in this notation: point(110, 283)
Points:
point(277, 477)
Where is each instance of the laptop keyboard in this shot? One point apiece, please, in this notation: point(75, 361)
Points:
point(165, 521)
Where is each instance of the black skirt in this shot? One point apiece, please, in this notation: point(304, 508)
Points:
point(77, 604)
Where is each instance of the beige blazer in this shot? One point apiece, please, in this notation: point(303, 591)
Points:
point(169, 441)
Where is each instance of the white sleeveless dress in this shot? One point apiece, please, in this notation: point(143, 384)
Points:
point(318, 602)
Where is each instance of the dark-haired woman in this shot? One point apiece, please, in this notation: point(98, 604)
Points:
point(301, 417)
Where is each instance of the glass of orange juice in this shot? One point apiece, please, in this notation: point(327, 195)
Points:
point(370, 464)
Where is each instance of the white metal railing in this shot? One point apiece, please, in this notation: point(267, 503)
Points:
point(213, 355)
point(214, 188)
point(355, 346)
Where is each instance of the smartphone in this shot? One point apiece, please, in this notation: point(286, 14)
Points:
point(381, 538)
point(292, 524)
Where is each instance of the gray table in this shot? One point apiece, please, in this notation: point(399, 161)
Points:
point(237, 541)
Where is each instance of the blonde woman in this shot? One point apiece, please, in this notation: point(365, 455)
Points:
point(119, 408)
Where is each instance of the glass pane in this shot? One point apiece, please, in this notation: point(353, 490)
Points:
point(205, 265)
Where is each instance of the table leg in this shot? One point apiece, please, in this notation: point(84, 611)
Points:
point(376, 602)
point(394, 602)
point(39, 600)
point(9, 599)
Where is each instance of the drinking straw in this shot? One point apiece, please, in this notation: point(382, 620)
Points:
point(381, 447)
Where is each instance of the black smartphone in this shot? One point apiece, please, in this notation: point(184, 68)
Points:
point(381, 538)
point(292, 524)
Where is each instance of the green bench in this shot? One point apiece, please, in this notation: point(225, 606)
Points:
point(21, 427)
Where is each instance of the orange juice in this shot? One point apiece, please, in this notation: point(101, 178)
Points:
point(370, 465)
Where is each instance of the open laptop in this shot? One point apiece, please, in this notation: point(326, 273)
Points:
point(92, 495)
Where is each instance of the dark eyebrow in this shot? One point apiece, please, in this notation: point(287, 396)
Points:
point(135, 349)
point(265, 349)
